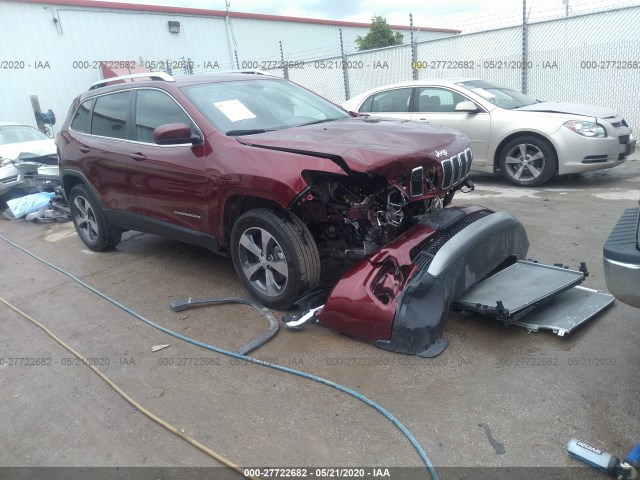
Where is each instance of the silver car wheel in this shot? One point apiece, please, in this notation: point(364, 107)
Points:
point(263, 262)
point(85, 219)
point(525, 162)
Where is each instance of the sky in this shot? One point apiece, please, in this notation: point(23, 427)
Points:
point(466, 15)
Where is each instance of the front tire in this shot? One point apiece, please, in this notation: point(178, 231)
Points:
point(90, 222)
point(528, 161)
point(275, 256)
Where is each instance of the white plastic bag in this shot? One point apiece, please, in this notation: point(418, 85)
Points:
point(29, 203)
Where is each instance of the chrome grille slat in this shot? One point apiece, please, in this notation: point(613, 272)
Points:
point(463, 165)
point(447, 173)
point(455, 162)
point(416, 182)
point(467, 154)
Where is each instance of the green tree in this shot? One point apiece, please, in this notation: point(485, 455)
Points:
point(380, 35)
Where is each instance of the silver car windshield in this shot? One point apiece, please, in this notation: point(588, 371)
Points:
point(19, 133)
point(502, 97)
point(257, 106)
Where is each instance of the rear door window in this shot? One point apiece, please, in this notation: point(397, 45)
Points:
point(155, 108)
point(110, 115)
point(391, 101)
point(81, 121)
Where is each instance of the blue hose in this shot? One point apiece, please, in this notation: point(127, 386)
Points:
point(229, 353)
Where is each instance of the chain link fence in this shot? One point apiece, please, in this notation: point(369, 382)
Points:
point(589, 58)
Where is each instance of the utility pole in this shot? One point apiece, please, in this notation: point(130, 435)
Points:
point(525, 46)
point(228, 29)
point(414, 50)
point(345, 69)
point(285, 67)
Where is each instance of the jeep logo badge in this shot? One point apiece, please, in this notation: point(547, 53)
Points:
point(441, 153)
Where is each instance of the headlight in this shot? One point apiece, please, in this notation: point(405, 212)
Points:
point(586, 129)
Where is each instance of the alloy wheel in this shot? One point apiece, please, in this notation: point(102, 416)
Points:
point(525, 162)
point(263, 262)
point(85, 219)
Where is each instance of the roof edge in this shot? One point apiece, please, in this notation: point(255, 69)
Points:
point(219, 13)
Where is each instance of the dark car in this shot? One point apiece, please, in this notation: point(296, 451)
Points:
point(621, 255)
point(250, 166)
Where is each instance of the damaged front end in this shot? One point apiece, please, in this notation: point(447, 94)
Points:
point(384, 207)
point(416, 260)
point(400, 296)
point(413, 256)
point(468, 258)
point(28, 171)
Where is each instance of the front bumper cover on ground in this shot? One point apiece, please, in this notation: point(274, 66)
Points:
point(399, 296)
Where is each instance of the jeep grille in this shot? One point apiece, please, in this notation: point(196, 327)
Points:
point(456, 168)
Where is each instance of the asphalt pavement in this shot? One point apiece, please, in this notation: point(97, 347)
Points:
point(494, 384)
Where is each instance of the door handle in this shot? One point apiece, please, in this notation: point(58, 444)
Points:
point(137, 156)
point(423, 120)
point(84, 149)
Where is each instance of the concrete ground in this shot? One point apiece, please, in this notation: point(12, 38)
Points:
point(62, 414)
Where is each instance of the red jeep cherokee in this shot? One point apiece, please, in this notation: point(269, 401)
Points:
point(255, 167)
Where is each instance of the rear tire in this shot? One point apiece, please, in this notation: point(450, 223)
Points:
point(93, 228)
point(275, 256)
point(528, 161)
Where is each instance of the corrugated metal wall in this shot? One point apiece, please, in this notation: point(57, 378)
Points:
point(69, 48)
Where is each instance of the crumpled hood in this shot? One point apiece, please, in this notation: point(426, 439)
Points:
point(371, 145)
point(570, 108)
point(35, 148)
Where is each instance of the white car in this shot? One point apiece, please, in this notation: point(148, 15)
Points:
point(23, 149)
point(526, 140)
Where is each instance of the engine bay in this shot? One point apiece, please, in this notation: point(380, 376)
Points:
point(353, 216)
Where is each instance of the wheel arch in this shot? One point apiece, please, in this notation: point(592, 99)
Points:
point(522, 133)
point(71, 178)
point(236, 205)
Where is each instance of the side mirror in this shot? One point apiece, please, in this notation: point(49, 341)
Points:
point(466, 106)
point(175, 134)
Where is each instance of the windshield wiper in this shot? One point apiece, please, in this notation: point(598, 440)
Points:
point(237, 133)
point(320, 121)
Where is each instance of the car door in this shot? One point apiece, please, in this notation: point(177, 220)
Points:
point(394, 103)
point(436, 105)
point(100, 127)
point(169, 180)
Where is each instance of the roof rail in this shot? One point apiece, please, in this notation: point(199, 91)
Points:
point(151, 75)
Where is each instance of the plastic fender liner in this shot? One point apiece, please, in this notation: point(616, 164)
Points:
point(464, 260)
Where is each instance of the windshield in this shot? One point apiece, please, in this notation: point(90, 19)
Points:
point(255, 106)
point(502, 97)
point(19, 133)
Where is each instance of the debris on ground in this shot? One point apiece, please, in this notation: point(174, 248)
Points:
point(156, 348)
point(42, 207)
point(497, 446)
point(22, 206)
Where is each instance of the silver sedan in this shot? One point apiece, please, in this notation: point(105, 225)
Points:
point(526, 140)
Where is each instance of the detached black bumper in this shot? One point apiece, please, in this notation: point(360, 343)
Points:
point(460, 263)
